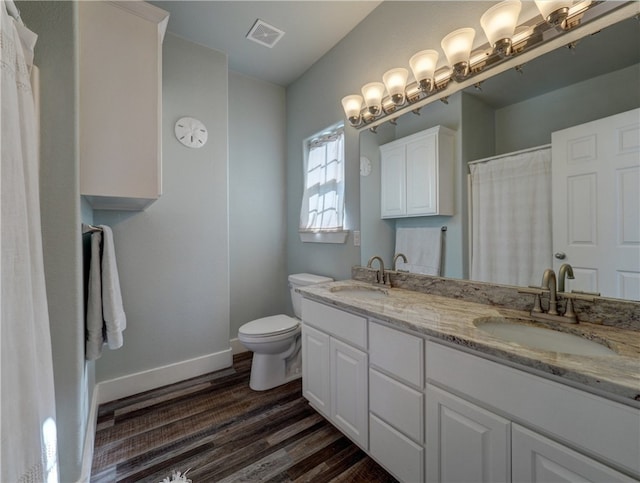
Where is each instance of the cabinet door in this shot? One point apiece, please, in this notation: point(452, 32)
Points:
point(422, 176)
point(538, 459)
point(393, 182)
point(465, 442)
point(316, 369)
point(349, 391)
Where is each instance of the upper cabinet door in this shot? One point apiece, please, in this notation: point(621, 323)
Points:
point(417, 174)
point(422, 176)
point(393, 188)
point(596, 204)
point(120, 99)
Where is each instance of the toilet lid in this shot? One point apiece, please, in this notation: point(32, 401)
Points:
point(276, 324)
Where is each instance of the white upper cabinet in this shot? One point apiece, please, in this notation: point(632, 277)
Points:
point(417, 174)
point(120, 99)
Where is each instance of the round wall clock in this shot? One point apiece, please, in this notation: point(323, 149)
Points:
point(191, 132)
point(365, 166)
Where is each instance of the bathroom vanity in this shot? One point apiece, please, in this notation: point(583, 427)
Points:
point(416, 382)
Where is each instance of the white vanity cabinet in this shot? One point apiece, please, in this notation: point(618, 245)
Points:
point(334, 367)
point(396, 401)
point(471, 406)
point(120, 99)
point(417, 174)
point(465, 442)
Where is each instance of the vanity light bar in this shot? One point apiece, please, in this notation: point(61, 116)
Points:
point(524, 45)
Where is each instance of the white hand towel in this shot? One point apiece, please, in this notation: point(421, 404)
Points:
point(423, 249)
point(95, 323)
point(112, 309)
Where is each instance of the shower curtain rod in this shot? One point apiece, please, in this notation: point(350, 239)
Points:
point(491, 158)
point(90, 228)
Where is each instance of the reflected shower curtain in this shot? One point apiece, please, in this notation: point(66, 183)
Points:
point(28, 446)
point(511, 218)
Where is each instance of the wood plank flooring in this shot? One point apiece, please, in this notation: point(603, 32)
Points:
point(223, 431)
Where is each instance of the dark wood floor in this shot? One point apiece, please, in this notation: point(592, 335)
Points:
point(223, 431)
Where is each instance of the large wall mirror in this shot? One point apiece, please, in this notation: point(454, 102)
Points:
point(514, 110)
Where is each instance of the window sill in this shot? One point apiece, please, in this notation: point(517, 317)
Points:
point(324, 237)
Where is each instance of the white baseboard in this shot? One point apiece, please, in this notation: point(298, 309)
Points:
point(161, 376)
point(237, 347)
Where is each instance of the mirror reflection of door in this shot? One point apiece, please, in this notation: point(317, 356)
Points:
point(596, 204)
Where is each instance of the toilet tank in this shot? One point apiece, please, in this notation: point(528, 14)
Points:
point(302, 280)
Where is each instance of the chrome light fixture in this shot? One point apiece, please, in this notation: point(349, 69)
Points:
point(499, 24)
point(457, 47)
point(554, 12)
point(423, 65)
point(373, 93)
point(506, 40)
point(352, 106)
point(395, 80)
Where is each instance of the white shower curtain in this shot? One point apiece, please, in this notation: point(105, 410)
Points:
point(511, 218)
point(28, 445)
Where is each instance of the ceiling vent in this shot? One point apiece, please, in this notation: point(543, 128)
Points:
point(265, 34)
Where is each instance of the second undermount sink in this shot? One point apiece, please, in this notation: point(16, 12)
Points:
point(361, 291)
point(537, 337)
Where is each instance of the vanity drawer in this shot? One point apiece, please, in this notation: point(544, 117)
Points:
point(395, 451)
point(344, 325)
point(397, 353)
point(397, 404)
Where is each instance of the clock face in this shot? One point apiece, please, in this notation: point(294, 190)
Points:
point(191, 132)
point(365, 166)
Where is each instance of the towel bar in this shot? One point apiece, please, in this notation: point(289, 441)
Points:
point(90, 228)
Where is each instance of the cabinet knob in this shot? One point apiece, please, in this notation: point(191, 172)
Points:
point(560, 255)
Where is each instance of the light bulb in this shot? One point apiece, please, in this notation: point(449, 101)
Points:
point(457, 47)
point(423, 65)
point(352, 105)
point(395, 81)
point(373, 93)
point(499, 24)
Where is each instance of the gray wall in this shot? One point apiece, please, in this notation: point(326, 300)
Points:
point(173, 258)
point(530, 123)
point(56, 55)
point(256, 200)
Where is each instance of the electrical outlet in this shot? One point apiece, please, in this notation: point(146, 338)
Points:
point(356, 238)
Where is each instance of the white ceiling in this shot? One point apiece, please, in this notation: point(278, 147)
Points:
point(311, 28)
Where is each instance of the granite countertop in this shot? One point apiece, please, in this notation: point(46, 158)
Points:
point(452, 320)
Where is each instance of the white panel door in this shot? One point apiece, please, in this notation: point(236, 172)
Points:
point(316, 369)
point(422, 176)
point(464, 442)
point(393, 186)
point(349, 391)
point(537, 459)
point(596, 204)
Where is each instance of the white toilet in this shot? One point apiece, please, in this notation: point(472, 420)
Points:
point(275, 341)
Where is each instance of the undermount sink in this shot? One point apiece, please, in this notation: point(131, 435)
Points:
point(361, 291)
point(520, 332)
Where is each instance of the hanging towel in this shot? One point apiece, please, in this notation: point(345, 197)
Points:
point(115, 320)
point(423, 249)
point(95, 323)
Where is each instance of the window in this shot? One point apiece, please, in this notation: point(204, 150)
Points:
point(322, 211)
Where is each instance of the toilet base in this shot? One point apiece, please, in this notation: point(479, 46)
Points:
point(270, 370)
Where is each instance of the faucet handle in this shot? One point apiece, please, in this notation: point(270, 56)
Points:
point(573, 295)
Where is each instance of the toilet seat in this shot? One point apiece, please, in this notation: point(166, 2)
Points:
point(267, 326)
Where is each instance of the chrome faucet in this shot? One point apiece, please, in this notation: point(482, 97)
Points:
point(395, 260)
point(549, 283)
point(380, 274)
point(565, 270)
